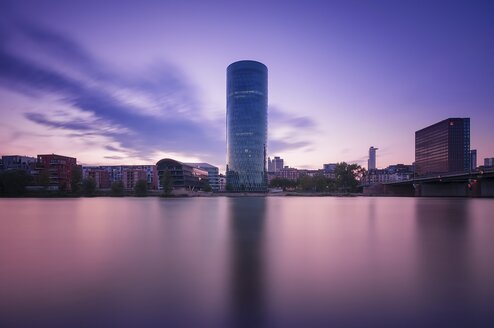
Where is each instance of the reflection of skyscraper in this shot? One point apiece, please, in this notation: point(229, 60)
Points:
point(371, 164)
point(445, 279)
point(443, 147)
point(247, 216)
point(246, 126)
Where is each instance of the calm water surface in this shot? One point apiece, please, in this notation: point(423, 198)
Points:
point(247, 262)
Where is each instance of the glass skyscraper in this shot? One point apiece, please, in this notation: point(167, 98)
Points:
point(246, 126)
point(443, 147)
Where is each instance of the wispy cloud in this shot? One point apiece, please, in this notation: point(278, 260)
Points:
point(155, 111)
point(115, 103)
point(285, 131)
point(278, 116)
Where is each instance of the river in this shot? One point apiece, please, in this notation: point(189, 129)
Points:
point(247, 262)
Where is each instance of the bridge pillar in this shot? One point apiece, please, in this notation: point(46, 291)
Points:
point(399, 190)
point(486, 188)
point(442, 189)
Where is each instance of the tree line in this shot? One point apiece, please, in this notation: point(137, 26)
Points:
point(14, 183)
point(346, 179)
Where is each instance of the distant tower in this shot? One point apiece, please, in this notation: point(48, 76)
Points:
point(246, 126)
point(371, 164)
point(473, 159)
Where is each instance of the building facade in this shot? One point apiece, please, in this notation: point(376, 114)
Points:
point(443, 147)
point(213, 174)
point(105, 175)
point(393, 173)
point(247, 126)
point(275, 164)
point(130, 177)
point(371, 163)
point(16, 162)
point(222, 182)
point(489, 162)
point(289, 173)
point(57, 169)
point(182, 175)
point(100, 176)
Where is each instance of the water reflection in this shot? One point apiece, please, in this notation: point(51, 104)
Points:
point(247, 216)
point(444, 269)
point(246, 262)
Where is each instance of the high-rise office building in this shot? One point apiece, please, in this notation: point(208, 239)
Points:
point(371, 163)
point(275, 164)
point(246, 126)
point(443, 147)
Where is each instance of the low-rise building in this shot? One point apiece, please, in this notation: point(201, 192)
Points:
point(17, 162)
point(393, 173)
point(289, 173)
point(222, 182)
point(99, 175)
point(105, 175)
point(213, 174)
point(130, 176)
point(58, 170)
point(183, 175)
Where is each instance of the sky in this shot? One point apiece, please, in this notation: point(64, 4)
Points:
point(132, 82)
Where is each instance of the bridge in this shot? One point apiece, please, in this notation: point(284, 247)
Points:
point(479, 183)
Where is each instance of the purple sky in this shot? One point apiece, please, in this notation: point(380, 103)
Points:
point(135, 81)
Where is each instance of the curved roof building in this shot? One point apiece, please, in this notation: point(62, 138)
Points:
point(246, 126)
point(183, 175)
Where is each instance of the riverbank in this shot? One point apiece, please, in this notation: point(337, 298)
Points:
point(177, 194)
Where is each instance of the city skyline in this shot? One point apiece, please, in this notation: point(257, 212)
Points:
point(113, 84)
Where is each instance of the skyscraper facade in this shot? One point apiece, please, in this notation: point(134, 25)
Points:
point(371, 163)
point(443, 147)
point(246, 126)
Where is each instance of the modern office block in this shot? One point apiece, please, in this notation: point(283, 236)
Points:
point(443, 147)
point(213, 174)
point(247, 126)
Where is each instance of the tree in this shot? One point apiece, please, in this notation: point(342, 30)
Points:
point(14, 182)
point(205, 186)
point(166, 182)
point(117, 188)
point(348, 176)
point(320, 183)
point(141, 188)
point(43, 179)
point(75, 179)
point(305, 183)
point(282, 183)
point(88, 186)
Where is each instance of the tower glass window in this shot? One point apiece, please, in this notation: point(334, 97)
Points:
point(246, 126)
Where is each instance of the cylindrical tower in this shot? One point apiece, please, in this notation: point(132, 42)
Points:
point(246, 126)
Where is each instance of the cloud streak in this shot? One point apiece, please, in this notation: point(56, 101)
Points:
point(157, 111)
point(135, 128)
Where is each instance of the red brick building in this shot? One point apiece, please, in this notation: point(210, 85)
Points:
point(58, 169)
